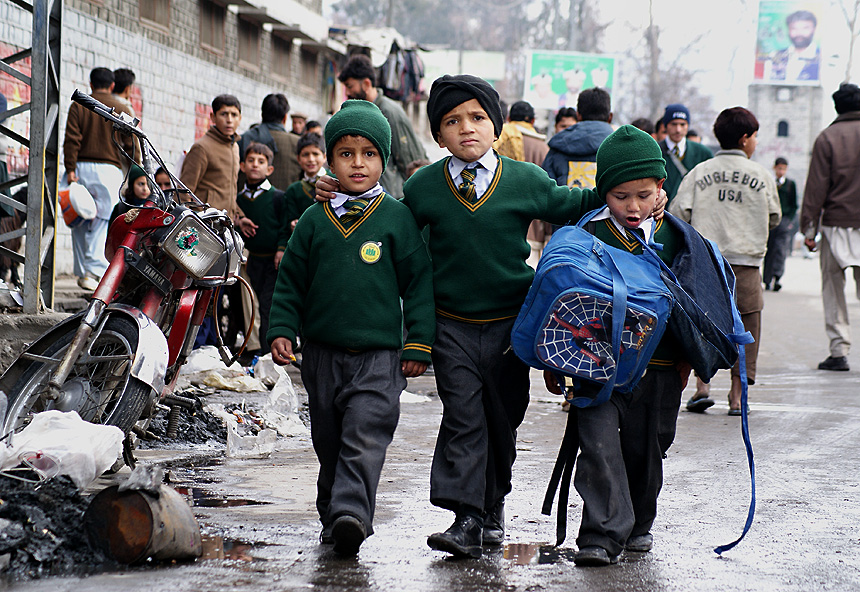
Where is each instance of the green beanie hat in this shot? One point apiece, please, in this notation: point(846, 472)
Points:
point(627, 154)
point(359, 118)
point(134, 173)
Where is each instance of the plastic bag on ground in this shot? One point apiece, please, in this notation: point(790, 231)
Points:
point(250, 446)
point(80, 449)
point(204, 362)
point(239, 384)
point(281, 410)
point(267, 371)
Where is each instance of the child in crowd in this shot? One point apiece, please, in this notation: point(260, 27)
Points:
point(265, 235)
point(136, 192)
point(211, 167)
point(300, 195)
point(313, 127)
point(734, 202)
point(162, 179)
point(619, 471)
point(415, 165)
point(347, 266)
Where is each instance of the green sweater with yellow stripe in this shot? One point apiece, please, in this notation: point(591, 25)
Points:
point(479, 250)
point(668, 351)
point(341, 285)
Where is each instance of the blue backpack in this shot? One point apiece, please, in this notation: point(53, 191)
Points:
point(594, 314)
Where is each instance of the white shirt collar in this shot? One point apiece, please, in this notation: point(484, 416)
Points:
point(340, 198)
point(646, 226)
point(488, 161)
point(682, 145)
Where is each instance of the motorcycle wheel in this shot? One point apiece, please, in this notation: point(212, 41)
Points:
point(101, 391)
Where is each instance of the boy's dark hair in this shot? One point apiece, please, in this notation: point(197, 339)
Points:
point(274, 108)
point(225, 101)
point(310, 140)
point(847, 98)
point(259, 148)
point(780, 160)
point(359, 67)
point(644, 124)
point(732, 125)
point(159, 171)
point(122, 79)
point(101, 78)
point(593, 104)
point(565, 112)
point(659, 124)
point(801, 15)
point(691, 133)
point(313, 123)
point(522, 111)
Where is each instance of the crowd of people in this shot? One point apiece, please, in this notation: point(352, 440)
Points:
point(378, 263)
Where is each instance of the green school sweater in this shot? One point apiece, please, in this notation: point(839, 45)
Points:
point(299, 196)
point(270, 220)
point(342, 285)
point(668, 351)
point(479, 250)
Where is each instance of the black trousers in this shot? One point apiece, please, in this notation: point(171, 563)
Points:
point(484, 390)
point(619, 471)
point(354, 403)
point(263, 274)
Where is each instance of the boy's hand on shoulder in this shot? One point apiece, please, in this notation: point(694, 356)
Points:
point(325, 188)
point(278, 256)
point(551, 383)
point(247, 226)
point(412, 368)
point(282, 351)
point(660, 206)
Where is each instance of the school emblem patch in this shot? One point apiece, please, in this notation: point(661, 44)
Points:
point(370, 252)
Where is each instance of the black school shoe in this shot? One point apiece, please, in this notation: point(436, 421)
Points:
point(640, 543)
point(462, 539)
point(347, 533)
point(325, 536)
point(831, 363)
point(594, 556)
point(494, 525)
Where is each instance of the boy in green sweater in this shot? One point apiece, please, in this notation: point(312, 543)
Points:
point(619, 471)
point(300, 195)
point(347, 266)
point(264, 227)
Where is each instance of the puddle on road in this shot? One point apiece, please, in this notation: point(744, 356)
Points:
point(200, 498)
point(219, 548)
point(537, 553)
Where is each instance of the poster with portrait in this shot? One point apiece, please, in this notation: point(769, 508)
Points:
point(788, 43)
point(555, 78)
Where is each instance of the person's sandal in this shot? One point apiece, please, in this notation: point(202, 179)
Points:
point(699, 402)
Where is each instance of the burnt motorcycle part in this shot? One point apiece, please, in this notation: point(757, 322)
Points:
point(132, 526)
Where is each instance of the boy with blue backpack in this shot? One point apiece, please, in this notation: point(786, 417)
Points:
point(622, 442)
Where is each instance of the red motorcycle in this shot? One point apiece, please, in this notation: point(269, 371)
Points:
point(115, 360)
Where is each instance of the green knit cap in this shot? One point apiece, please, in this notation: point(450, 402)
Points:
point(359, 118)
point(134, 173)
point(627, 154)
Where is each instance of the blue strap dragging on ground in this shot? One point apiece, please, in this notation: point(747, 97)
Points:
point(744, 338)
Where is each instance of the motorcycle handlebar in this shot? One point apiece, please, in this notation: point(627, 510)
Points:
point(108, 113)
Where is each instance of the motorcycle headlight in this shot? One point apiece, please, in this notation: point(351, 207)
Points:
point(193, 246)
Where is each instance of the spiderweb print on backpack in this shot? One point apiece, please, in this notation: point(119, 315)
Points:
point(577, 336)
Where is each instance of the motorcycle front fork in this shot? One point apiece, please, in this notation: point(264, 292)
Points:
point(92, 318)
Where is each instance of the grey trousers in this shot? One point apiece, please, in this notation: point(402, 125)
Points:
point(484, 390)
point(778, 248)
point(836, 323)
point(354, 402)
point(619, 471)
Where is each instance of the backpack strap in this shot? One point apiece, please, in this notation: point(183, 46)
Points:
point(561, 475)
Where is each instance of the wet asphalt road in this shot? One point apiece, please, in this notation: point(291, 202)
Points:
point(805, 427)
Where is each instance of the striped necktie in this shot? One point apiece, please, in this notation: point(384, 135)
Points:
point(677, 151)
point(467, 187)
point(354, 209)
